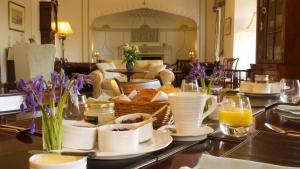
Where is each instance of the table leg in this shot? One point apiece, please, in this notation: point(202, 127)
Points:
point(128, 77)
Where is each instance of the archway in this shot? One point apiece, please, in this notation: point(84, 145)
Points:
point(169, 35)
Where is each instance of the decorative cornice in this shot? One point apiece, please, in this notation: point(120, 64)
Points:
point(127, 5)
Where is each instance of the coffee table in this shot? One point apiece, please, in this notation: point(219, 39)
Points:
point(126, 72)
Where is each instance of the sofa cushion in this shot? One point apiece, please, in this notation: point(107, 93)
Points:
point(105, 66)
point(140, 65)
point(107, 85)
point(154, 70)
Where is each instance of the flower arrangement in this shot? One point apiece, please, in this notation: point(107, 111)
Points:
point(130, 55)
point(54, 93)
point(197, 72)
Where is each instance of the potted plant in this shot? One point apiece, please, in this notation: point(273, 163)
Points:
point(49, 98)
point(130, 56)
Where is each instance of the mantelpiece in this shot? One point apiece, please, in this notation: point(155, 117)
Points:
point(163, 52)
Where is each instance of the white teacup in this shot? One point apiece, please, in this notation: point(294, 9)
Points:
point(187, 109)
point(261, 88)
point(57, 161)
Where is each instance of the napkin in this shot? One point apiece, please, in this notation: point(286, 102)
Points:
point(132, 94)
point(160, 96)
point(213, 162)
point(102, 97)
point(123, 97)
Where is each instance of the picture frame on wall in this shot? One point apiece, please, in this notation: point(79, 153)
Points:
point(16, 17)
point(228, 26)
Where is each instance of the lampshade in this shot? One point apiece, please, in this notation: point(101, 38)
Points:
point(64, 28)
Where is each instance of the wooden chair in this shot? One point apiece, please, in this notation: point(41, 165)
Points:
point(231, 75)
point(125, 87)
point(235, 78)
point(181, 68)
point(230, 63)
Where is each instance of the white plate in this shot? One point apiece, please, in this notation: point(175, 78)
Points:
point(159, 141)
point(261, 94)
point(289, 108)
point(288, 115)
point(199, 135)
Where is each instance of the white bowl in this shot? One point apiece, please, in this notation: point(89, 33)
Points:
point(79, 135)
point(146, 131)
point(275, 87)
point(261, 88)
point(118, 141)
point(246, 87)
point(56, 161)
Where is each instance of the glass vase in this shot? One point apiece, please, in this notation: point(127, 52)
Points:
point(52, 132)
point(129, 66)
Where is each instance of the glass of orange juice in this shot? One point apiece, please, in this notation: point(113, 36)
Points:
point(236, 116)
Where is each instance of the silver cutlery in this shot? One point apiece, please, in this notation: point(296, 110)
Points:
point(16, 129)
point(282, 131)
point(90, 154)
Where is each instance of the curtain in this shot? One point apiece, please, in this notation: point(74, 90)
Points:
point(219, 8)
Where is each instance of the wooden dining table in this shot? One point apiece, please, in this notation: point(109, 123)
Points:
point(14, 149)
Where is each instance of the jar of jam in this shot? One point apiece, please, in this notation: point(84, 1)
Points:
point(99, 112)
point(261, 79)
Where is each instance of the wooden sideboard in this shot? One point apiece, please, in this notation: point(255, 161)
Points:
point(278, 39)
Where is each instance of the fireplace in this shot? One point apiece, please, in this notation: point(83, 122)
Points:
point(152, 52)
point(150, 56)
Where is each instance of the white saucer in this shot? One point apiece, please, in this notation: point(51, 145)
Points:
point(159, 141)
point(198, 135)
point(252, 94)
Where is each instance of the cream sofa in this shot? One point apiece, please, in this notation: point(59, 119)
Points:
point(101, 78)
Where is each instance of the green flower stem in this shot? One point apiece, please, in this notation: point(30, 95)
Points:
point(52, 124)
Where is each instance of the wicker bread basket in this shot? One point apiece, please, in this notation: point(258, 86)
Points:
point(125, 107)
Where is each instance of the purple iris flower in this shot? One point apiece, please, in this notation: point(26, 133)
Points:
point(53, 94)
point(55, 79)
point(32, 127)
point(196, 71)
point(40, 98)
point(47, 110)
point(31, 101)
point(65, 81)
point(21, 86)
point(22, 108)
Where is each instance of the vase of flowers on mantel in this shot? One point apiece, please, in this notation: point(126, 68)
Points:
point(49, 98)
point(130, 56)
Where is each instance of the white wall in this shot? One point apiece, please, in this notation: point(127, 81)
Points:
point(170, 34)
point(244, 44)
point(72, 11)
point(82, 13)
point(10, 37)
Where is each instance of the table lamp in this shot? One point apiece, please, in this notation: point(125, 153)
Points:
point(192, 55)
point(96, 55)
point(64, 28)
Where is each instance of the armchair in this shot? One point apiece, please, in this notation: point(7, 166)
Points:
point(101, 79)
point(32, 60)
